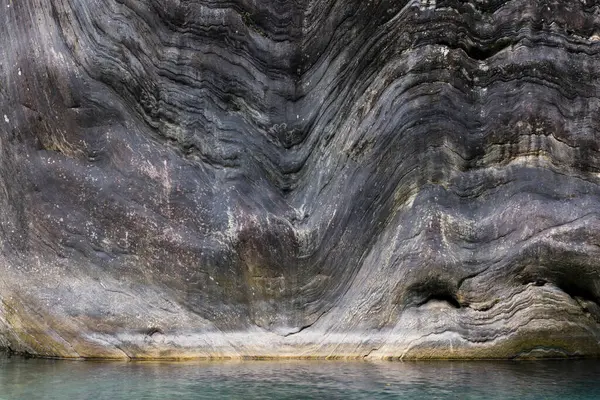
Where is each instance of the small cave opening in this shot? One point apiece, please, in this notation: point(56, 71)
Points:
point(578, 291)
point(443, 297)
point(571, 283)
point(431, 291)
point(153, 331)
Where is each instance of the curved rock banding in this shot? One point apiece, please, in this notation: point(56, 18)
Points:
point(383, 179)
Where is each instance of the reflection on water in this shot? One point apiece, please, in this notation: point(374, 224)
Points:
point(50, 379)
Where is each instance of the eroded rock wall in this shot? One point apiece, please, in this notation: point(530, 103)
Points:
point(300, 178)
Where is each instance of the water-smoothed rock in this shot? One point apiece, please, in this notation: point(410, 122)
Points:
point(300, 178)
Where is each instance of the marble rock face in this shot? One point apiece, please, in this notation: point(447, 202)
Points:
point(300, 178)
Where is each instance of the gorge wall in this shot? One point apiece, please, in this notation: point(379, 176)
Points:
point(300, 178)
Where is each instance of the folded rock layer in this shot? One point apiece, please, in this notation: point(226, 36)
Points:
point(300, 178)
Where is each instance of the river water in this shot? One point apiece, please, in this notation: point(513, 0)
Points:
point(53, 379)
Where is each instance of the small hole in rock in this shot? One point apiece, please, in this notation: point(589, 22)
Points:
point(153, 331)
point(443, 297)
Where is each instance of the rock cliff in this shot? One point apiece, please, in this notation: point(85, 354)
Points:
point(300, 178)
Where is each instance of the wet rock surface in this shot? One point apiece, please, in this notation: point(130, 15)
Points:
point(384, 179)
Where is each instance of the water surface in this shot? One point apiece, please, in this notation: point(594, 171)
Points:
point(53, 379)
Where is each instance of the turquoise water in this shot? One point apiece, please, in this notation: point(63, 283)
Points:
point(50, 379)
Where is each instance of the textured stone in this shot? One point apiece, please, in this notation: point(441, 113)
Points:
point(300, 178)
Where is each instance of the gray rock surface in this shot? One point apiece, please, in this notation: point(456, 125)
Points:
point(300, 178)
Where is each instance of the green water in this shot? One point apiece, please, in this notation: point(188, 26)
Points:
point(49, 379)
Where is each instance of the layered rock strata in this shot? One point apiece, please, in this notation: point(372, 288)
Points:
point(300, 178)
